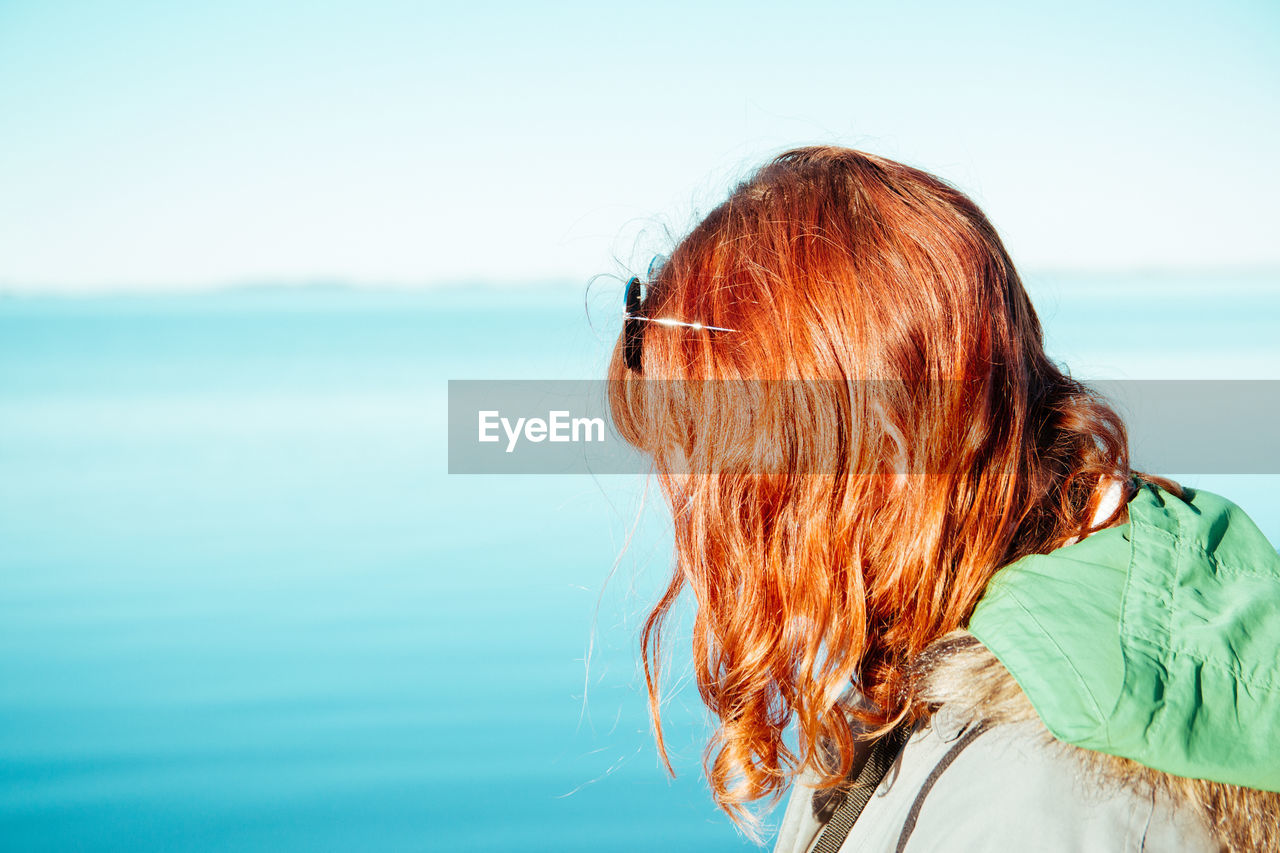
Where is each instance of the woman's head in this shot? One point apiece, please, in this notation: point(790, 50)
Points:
point(880, 431)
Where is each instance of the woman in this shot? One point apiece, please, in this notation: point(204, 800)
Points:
point(903, 524)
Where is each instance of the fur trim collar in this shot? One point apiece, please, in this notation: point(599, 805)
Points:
point(962, 674)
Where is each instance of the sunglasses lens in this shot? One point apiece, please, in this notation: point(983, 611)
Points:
point(632, 330)
point(655, 267)
point(632, 342)
point(633, 295)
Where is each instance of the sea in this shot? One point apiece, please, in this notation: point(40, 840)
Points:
point(244, 605)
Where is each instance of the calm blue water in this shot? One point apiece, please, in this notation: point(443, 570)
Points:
point(242, 605)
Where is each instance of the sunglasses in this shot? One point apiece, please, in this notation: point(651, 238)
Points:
point(633, 322)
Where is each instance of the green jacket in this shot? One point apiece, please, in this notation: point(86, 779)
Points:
point(1157, 640)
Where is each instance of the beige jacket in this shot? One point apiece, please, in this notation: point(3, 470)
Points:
point(1015, 788)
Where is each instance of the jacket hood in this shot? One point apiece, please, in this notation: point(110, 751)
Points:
point(1157, 640)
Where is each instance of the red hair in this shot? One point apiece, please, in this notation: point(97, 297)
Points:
point(813, 563)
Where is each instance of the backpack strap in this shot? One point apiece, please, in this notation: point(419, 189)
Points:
point(840, 807)
point(910, 825)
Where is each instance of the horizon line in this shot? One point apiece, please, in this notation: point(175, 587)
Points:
point(321, 283)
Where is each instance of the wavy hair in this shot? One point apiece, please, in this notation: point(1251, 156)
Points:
point(848, 467)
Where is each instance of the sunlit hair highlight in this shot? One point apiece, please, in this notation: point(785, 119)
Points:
point(910, 438)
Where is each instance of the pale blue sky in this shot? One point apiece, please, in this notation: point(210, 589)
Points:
point(177, 145)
